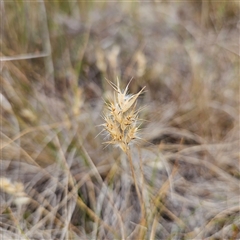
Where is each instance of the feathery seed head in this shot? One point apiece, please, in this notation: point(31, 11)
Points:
point(122, 118)
point(16, 189)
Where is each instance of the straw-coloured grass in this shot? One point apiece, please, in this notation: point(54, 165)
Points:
point(122, 122)
point(173, 175)
point(122, 125)
point(15, 189)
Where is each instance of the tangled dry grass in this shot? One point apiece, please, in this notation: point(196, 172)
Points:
point(58, 180)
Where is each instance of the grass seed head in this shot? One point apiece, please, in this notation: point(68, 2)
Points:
point(121, 121)
point(15, 189)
